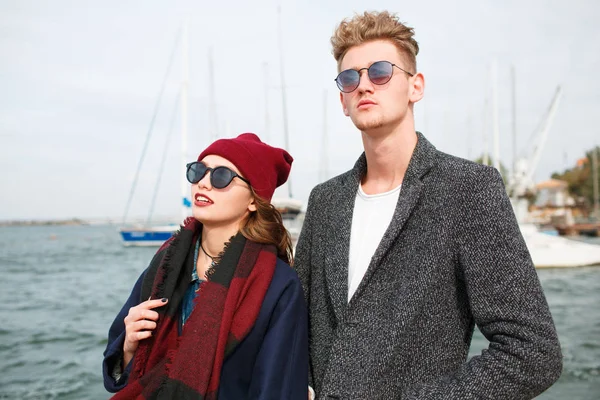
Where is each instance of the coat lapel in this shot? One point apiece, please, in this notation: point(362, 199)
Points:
point(420, 163)
point(338, 245)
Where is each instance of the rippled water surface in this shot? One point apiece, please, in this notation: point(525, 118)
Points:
point(62, 286)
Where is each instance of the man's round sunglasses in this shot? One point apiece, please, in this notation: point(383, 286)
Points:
point(220, 177)
point(379, 73)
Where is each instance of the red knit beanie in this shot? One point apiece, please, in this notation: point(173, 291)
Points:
point(264, 166)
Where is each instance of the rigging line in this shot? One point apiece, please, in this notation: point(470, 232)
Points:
point(149, 134)
point(164, 157)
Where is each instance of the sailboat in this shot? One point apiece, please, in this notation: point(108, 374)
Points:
point(547, 251)
point(147, 234)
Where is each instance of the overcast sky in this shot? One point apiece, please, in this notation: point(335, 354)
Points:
point(79, 80)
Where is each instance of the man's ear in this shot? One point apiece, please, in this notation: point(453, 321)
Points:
point(417, 90)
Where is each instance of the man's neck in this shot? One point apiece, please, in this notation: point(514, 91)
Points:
point(388, 154)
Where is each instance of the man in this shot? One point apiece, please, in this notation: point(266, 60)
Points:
point(401, 256)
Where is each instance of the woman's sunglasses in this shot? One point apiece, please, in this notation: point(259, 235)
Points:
point(379, 73)
point(220, 177)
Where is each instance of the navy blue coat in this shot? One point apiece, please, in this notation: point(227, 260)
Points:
point(270, 363)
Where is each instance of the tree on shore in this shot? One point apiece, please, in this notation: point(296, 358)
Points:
point(580, 178)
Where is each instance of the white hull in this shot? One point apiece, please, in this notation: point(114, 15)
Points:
point(549, 251)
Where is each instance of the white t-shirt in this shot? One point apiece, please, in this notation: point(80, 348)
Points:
point(371, 218)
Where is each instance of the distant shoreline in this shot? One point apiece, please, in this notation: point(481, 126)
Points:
point(73, 221)
point(84, 222)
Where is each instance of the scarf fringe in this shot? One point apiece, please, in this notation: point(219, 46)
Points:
point(211, 270)
point(165, 358)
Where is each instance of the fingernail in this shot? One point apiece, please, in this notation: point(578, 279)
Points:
point(164, 299)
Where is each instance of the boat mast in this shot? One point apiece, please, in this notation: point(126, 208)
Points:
point(283, 97)
point(485, 159)
point(212, 105)
point(184, 121)
point(495, 117)
point(323, 170)
point(266, 83)
point(514, 117)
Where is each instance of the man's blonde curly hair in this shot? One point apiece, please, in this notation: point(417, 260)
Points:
point(375, 26)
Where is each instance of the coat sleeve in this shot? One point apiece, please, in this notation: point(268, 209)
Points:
point(302, 256)
point(115, 379)
point(302, 259)
point(507, 303)
point(280, 371)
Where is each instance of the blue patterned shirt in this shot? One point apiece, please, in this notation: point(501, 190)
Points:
point(187, 304)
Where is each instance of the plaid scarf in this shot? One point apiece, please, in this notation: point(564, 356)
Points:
point(170, 366)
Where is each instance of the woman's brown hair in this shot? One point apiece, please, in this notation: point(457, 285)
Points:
point(265, 225)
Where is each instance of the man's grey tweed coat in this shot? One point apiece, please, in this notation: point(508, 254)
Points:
point(453, 256)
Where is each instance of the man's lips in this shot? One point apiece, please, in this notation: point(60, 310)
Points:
point(365, 103)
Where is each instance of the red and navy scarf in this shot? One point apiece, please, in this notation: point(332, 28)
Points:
point(188, 366)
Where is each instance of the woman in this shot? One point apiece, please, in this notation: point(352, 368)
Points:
point(218, 313)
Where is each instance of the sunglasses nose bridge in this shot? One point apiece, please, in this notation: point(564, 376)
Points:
point(364, 80)
point(205, 180)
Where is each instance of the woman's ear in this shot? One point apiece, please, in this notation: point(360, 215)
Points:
point(252, 205)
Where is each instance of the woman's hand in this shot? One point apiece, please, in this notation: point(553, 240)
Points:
point(139, 323)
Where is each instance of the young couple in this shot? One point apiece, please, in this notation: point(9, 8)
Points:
point(397, 261)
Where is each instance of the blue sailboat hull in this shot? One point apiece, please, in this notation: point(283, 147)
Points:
point(153, 236)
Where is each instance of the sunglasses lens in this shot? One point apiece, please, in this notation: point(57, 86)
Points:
point(221, 177)
point(195, 172)
point(380, 72)
point(348, 80)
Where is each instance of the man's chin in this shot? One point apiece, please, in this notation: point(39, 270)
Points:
point(366, 124)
